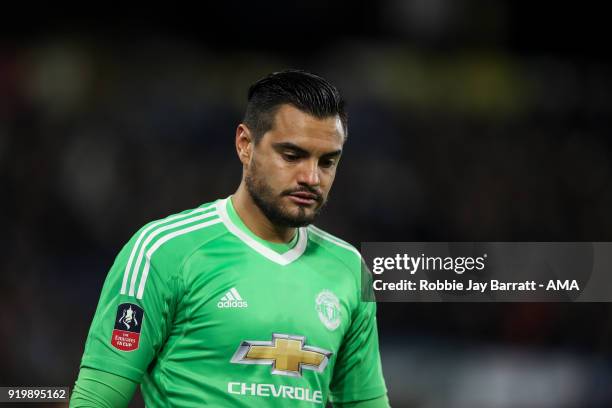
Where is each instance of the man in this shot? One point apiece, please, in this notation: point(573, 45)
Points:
point(241, 302)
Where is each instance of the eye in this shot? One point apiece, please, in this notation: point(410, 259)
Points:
point(290, 157)
point(327, 163)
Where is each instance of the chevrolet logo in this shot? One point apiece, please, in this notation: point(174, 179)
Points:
point(285, 353)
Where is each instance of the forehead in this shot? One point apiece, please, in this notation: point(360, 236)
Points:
point(292, 125)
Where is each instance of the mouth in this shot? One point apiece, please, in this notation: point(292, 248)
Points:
point(303, 198)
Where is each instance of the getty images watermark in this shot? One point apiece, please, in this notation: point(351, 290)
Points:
point(487, 271)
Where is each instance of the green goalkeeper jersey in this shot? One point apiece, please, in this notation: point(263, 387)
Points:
point(202, 312)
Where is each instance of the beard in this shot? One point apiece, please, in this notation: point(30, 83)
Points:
point(270, 203)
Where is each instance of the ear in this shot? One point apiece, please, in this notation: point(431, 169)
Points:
point(244, 143)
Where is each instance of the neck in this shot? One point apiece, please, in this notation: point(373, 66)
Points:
point(256, 220)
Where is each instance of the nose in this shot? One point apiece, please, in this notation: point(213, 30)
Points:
point(309, 173)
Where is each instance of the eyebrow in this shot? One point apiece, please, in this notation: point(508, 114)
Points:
point(298, 149)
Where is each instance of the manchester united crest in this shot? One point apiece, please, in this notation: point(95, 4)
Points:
point(328, 308)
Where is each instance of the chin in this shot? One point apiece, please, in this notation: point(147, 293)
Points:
point(295, 218)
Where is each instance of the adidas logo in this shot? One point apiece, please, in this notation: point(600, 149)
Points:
point(232, 299)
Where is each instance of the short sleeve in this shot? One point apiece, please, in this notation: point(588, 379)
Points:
point(358, 372)
point(133, 315)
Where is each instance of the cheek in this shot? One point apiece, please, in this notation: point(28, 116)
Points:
point(327, 179)
point(277, 175)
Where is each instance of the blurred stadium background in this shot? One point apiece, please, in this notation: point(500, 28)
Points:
point(469, 120)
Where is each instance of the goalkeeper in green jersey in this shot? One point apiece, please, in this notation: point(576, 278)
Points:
point(241, 302)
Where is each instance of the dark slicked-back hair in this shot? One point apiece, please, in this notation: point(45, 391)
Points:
point(307, 92)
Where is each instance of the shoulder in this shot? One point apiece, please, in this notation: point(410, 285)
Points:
point(343, 253)
point(335, 246)
point(160, 247)
point(177, 235)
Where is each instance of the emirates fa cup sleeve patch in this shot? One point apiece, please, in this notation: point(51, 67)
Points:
point(128, 323)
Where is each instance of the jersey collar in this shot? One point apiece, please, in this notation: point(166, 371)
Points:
point(283, 258)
